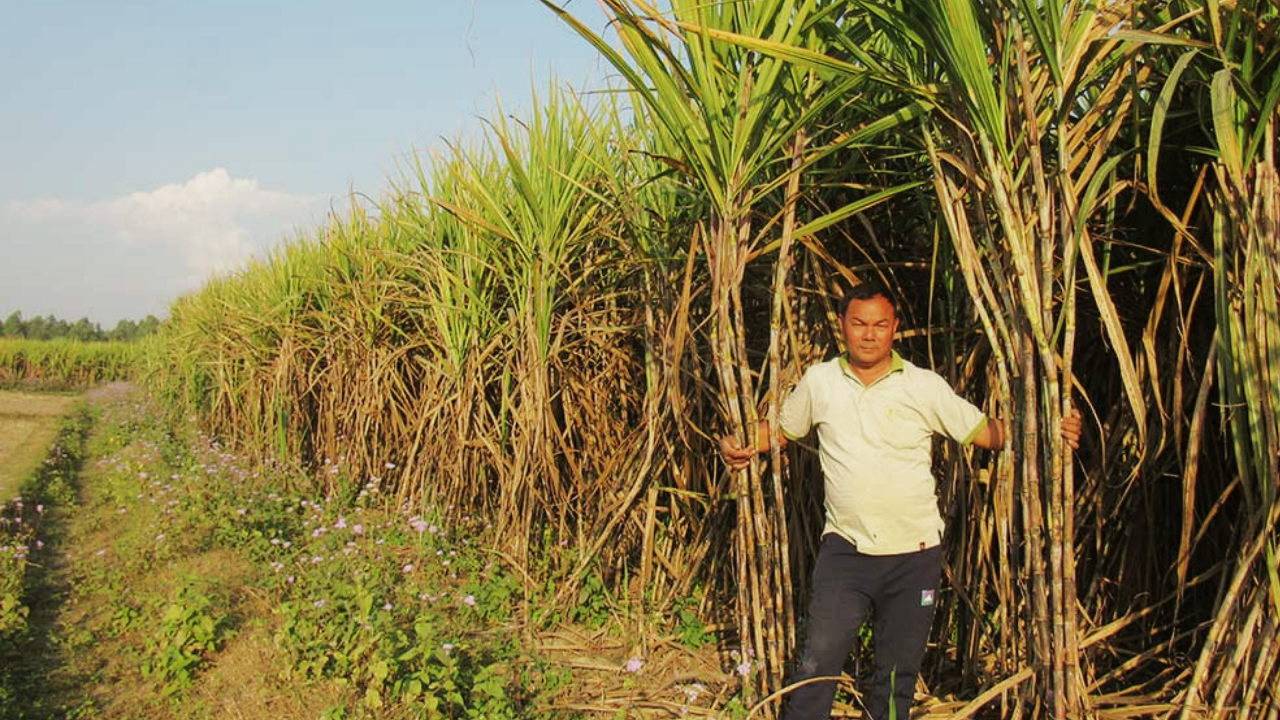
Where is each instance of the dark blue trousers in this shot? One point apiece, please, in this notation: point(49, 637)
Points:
point(899, 592)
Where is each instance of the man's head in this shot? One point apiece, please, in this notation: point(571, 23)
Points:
point(869, 320)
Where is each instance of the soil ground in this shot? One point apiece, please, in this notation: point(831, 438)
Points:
point(26, 428)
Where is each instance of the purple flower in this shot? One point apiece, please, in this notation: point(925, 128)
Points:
point(407, 568)
point(744, 668)
point(469, 600)
point(634, 665)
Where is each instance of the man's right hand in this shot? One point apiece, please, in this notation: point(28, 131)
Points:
point(737, 456)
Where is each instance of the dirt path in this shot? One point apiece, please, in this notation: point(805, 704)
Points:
point(26, 428)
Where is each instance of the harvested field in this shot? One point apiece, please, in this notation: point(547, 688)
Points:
point(26, 429)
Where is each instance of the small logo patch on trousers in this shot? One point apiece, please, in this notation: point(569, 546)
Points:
point(926, 598)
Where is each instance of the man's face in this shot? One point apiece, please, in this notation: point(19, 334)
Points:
point(869, 327)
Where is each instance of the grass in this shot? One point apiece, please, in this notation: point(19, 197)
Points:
point(166, 577)
point(26, 429)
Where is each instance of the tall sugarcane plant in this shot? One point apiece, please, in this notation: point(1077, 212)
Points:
point(1036, 156)
point(1232, 68)
point(730, 115)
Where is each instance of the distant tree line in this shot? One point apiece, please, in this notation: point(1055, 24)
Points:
point(52, 328)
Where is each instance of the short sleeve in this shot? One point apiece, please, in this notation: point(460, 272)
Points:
point(796, 416)
point(954, 416)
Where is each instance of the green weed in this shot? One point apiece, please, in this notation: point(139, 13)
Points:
point(189, 630)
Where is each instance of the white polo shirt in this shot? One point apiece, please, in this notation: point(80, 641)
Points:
point(875, 445)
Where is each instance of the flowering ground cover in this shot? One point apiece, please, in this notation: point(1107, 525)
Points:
point(148, 571)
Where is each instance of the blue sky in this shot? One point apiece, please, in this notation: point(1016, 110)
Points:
point(145, 146)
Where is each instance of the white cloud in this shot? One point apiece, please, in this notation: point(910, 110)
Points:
point(171, 239)
point(216, 221)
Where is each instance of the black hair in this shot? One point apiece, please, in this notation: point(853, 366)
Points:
point(866, 290)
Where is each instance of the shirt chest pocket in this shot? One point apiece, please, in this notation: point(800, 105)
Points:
point(901, 426)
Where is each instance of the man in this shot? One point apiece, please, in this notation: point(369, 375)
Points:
point(876, 415)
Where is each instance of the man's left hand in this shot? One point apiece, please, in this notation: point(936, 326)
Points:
point(1070, 428)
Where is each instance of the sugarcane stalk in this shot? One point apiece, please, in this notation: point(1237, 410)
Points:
point(781, 284)
point(725, 337)
point(1033, 514)
point(1041, 207)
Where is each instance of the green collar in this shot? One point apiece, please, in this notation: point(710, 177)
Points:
point(896, 364)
